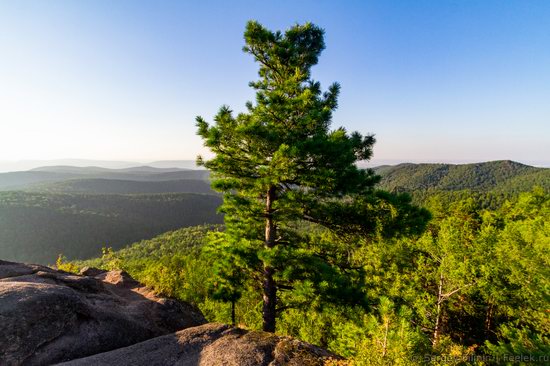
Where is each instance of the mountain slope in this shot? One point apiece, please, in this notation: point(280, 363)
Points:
point(20, 180)
point(36, 227)
point(503, 176)
point(185, 241)
point(119, 186)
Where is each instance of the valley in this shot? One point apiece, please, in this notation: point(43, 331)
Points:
point(78, 211)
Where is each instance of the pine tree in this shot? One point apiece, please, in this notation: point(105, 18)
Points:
point(280, 165)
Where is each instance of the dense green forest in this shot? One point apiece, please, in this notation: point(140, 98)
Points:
point(78, 216)
point(119, 186)
point(77, 211)
point(472, 289)
point(500, 179)
point(36, 227)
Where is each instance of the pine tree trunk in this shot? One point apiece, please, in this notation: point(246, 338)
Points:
point(385, 344)
point(233, 312)
point(438, 312)
point(269, 286)
point(488, 318)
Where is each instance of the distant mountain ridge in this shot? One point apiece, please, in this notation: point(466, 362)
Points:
point(24, 165)
point(501, 175)
point(46, 178)
point(97, 169)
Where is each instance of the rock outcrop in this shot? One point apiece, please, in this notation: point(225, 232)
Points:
point(210, 345)
point(107, 318)
point(49, 316)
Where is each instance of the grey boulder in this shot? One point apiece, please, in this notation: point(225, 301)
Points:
point(49, 316)
point(212, 345)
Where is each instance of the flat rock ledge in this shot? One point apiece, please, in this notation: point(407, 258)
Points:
point(212, 345)
point(49, 316)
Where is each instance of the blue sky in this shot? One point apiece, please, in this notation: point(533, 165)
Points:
point(448, 81)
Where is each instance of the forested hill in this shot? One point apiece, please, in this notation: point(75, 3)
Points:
point(501, 176)
point(36, 227)
point(78, 210)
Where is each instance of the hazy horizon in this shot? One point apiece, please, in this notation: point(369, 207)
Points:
point(435, 81)
point(24, 165)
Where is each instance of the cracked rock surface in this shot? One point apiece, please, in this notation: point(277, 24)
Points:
point(49, 316)
point(212, 344)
